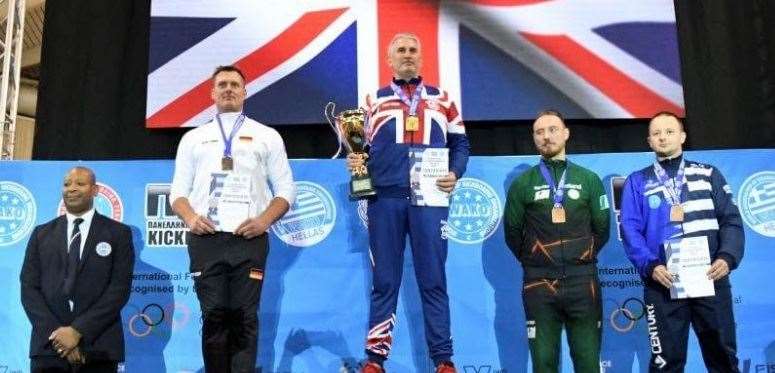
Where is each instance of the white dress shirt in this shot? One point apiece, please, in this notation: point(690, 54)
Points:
point(84, 228)
point(256, 150)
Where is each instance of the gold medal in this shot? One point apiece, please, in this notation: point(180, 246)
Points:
point(227, 163)
point(558, 214)
point(676, 213)
point(412, 123)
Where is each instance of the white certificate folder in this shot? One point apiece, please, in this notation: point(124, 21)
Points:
point(688, 259)
point(428, 164)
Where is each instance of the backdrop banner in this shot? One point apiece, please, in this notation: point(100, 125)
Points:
point(314, 308)
point(499, 60)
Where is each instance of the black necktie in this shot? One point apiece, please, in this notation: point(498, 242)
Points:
point(73, 257)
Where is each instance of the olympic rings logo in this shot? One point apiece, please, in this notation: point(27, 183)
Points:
point(154, 317)
point(624, 317)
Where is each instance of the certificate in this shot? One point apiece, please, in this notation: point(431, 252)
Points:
point(233, 202)
point(688, 259)
point(427, 165)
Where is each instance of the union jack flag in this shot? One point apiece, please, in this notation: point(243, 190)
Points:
point(380, 338)
point(499, 59)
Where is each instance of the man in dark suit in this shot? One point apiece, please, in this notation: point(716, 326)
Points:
point(75, 279)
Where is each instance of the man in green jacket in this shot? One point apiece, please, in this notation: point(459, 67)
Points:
point(556, 221)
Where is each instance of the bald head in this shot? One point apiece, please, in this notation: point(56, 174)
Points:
point(88, 171)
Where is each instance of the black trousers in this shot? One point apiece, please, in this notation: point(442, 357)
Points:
point(50, 364)
point(228, 274)
point(710, 317)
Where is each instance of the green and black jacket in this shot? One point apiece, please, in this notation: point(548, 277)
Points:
point(557, 250)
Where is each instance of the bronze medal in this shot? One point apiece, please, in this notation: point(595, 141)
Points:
point(676, 213)
point(412, 123)
point(227, 163)
point(558, 214)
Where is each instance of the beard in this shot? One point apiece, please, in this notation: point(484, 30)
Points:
point(549, 150)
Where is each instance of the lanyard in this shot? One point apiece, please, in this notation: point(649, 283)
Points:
point(558, 191)
point(415, 100)
point(673, 185)
point(227, 141)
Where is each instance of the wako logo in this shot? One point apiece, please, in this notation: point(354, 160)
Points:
point(474, 213)
point(107, 202)
point(17, 212)
point(162, 226)
point(310, 219)
point(757, 202)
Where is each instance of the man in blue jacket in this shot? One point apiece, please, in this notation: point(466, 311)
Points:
point(676, 198)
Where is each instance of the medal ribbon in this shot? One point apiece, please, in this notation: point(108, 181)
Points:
point(558, 191)
point(405, 99)
point(227, 141)
point(674, 185)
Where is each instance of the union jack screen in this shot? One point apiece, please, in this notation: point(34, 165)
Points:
point(498, 59)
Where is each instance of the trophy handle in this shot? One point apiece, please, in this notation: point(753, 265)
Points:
point(366, 123)
point(329, 113)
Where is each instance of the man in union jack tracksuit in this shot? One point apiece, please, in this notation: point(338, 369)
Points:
point(408, 114)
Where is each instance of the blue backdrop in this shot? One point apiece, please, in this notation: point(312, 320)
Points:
point(315, 301)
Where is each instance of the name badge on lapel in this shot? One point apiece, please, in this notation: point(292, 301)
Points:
point(103, 249)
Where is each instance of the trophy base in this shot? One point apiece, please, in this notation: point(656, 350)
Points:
point(361, 188)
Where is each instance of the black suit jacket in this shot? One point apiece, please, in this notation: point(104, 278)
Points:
point(101, 288)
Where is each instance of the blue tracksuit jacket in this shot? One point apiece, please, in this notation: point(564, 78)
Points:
point(709, 210)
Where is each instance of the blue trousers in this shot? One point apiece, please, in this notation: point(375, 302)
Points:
point(710, 317)
point(390, 221)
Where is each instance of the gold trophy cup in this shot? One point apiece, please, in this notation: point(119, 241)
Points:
point(349, 127)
